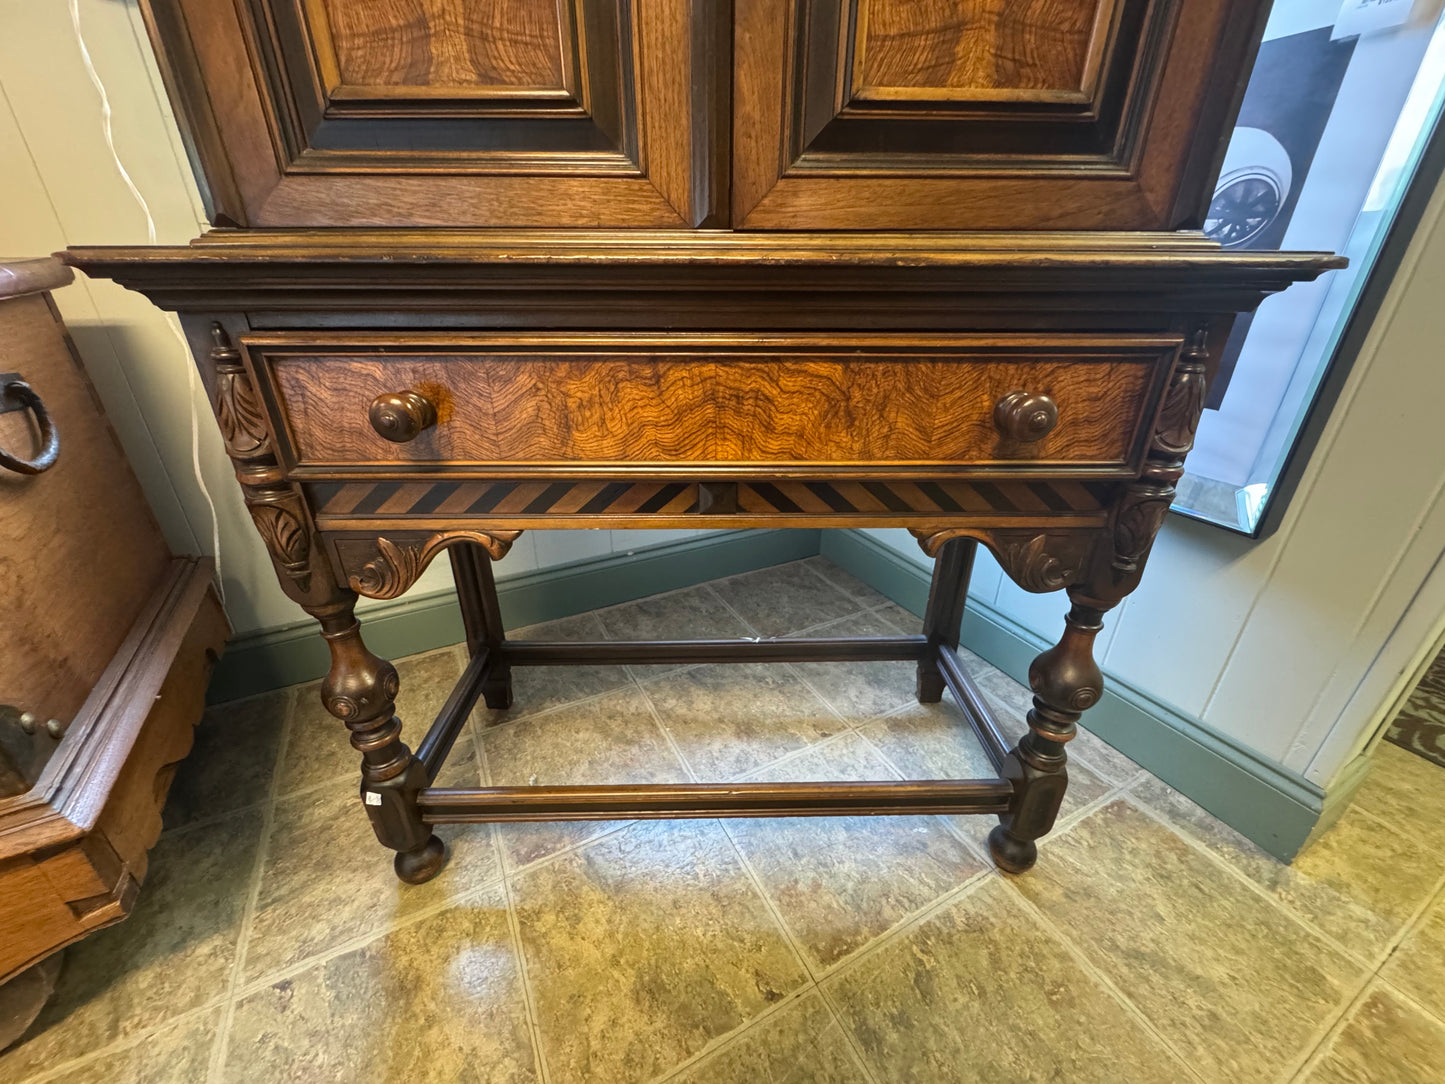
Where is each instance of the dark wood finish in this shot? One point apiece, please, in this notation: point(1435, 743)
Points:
point(433, 112)
point(943, 616)
point(482, 618)
point(432, 750)
point(975, 708)
point(641, 280)
point(687, 652)
point(1023, 417)
point(665, 801)
point(983, 114)
point(401, 416)
point(970, 321)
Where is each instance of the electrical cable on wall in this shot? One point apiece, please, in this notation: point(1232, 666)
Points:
point(171, 321)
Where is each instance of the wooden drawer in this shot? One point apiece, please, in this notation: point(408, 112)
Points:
point(710, 405)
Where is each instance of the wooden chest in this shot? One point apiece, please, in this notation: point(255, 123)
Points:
point(105, 647)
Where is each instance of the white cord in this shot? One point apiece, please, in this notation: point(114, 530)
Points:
point(191, 384)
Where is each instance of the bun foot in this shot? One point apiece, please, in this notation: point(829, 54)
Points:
point(1009, 854)
point(421, 865)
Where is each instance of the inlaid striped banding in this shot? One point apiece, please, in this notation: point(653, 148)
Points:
point(501, 500)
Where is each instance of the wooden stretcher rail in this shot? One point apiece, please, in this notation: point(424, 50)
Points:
point(828, 649)
point(437, 743)
point(665, 801)
point(985, 724)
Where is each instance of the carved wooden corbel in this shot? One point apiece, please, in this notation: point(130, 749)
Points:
point(1036, 560)
point(1041, 562)
point(1145, 502)
point(1178, 419)
point(275, 505)
point(398, 564)
point(238, 408)
point(281, 522)
point(931, 539)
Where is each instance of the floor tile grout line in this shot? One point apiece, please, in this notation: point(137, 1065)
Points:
point(1315, 1051)
point(1081, 957)
point(731, 1038)
point(1373, 963)
point(854, 1047)
point(552, 709)
point(709, 589)
point(1244, 879)
point(908, 922)
point(828, 704)
point(1371, 815)
point(529, 996)
point(1416, 918)
point(788, 933)
point(361, 940)
point(210, 820)
point(1411, 1000)
point(220, 1048)
point(484, 768)
point(757, 882)
point(806, 562)
point(125, 1042)
point(801, 753)
point(666, 734)
point(1322, 1039)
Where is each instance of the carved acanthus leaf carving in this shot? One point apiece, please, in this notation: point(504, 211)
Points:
point(286, 537)
point(1041, 562)
point(398, 565)
point(391, 572)
point(238, 409)
point(243, 426)
point(1141, 513)
point(1184, 402)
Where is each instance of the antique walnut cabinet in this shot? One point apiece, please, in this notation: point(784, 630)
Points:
point(481, 266)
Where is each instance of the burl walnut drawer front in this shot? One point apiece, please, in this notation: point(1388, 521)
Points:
point(713, 406)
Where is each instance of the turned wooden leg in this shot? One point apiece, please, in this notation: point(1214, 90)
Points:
point(947, 594)
point(360, 690)
point(482, 616)
point(1066, 682)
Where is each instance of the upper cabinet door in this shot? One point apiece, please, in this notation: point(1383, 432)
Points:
point(983, 114)
point(452, 112)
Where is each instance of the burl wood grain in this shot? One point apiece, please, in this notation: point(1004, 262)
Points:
point(951, 47)
point(715, 407)
point(445, 43)
point(924, 162)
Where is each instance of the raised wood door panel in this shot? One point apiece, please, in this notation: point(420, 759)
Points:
point(707, 406)
point(983, 114)
point(452, 112)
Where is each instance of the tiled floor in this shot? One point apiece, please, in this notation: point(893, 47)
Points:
point(1151, 943)
point(1420, 725)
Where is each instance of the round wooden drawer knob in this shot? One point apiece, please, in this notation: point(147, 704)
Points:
point(401, 415)
point(1023, 417)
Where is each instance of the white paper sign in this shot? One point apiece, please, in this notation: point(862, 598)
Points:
point(1370, 17)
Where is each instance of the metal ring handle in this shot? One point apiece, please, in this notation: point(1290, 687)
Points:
point(22, 393)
